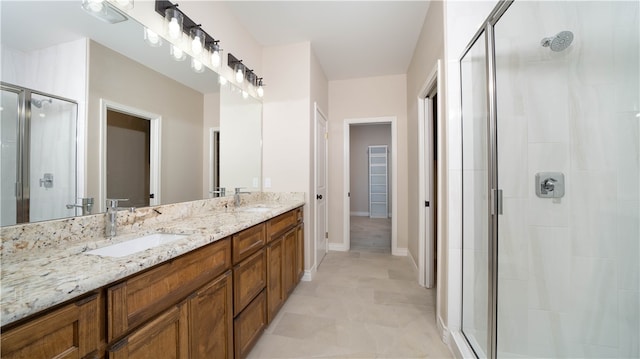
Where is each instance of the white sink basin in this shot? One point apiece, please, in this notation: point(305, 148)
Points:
point(136, 245)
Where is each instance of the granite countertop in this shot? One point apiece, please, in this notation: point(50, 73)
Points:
point(41, 277)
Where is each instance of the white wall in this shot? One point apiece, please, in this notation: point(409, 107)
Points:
point(365, 98)
point(361, 137)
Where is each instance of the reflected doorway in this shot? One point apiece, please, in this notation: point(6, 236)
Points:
point(130, 156)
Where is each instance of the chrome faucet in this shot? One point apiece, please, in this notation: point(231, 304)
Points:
point(87, 205)
point(219, 191)
point(236, 196)
point(111, 227)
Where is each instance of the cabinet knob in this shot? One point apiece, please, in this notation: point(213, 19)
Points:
point(318, 196)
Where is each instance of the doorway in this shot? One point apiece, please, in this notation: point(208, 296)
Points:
point(349, 126)
point(130, 155)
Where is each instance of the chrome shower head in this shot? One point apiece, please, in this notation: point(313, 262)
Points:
point(559, 42)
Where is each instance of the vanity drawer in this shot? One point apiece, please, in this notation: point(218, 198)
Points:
point(249, 279)
point(277, 225)
point(248, 241)
point(143, 296)
point(249, 325)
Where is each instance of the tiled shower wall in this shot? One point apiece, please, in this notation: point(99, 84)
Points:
point(568, 277)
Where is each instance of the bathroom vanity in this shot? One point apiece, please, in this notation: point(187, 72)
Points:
point(207, 295)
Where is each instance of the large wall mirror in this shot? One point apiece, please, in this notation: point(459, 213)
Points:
point(91, 111)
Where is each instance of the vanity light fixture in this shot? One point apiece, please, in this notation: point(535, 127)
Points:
point(197, 39)
point(241, 72)
point(216, 53)
point(197, 65)
point(103, 11)
point(260, 90)
point(151, 38)
point(177, 53)
point(173, 20)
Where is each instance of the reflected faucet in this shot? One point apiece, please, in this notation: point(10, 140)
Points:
point(219, 191)
point(87, 205)
point(111, 224)
point(236, 196)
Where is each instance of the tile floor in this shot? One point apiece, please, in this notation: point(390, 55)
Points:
point(362, 304)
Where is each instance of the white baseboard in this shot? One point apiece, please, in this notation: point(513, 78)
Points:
point(340, 247)
point(442, 329)
point(360, 214)
point(399, 252)
point(307, 276)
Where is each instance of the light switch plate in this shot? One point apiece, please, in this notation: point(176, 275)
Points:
point(267, 182)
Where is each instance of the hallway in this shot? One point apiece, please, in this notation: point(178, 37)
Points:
point(361, 304)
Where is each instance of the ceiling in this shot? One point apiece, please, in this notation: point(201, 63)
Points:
point(350, 39)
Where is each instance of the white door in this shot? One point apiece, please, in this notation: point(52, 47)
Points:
point(429, 194)
point(321, 186)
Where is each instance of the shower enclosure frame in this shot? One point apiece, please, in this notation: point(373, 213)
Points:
point(493, 190)
point(23, 150)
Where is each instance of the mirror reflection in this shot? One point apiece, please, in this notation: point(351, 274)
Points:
point(90, 111)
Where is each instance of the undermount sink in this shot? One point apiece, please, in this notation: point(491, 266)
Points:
point(136, 245)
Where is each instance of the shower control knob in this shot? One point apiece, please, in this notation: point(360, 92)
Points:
point(549, 184)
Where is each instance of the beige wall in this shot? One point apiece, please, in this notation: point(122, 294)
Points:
point(429, 48)
point(365, 98)
point(361, 137)
point(116, 78)
point(286, 124)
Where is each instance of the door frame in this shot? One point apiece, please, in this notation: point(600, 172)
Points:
point(155, 139)
point(346, 236)
point(433, 84)
point(317, 111)
point(212, 155)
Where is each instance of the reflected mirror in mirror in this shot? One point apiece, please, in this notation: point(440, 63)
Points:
point(108, 72)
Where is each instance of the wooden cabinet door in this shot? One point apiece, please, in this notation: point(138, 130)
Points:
point(211, 320)
point(166, 336)
point(300, 252)
point(249, 279)
point(249, 325)
point(275, 291)
point(68, 332)
point(289, 262)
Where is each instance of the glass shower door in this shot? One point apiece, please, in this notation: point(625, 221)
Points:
point(38, 152)
point(475, 189)
point(568, 130)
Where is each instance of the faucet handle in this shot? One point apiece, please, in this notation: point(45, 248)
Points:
point(239, 189)
point(113, 202)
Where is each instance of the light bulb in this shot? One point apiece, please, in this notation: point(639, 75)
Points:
point(260, 91)
point(215, 59)
point(222, 80)
point(239, 75)
point(152, 38)
point(177, 53)
point(197, 65)
point(174, 28)
point(245, 95)
point(125, 4)
point(196, 46)
point(95, 5)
